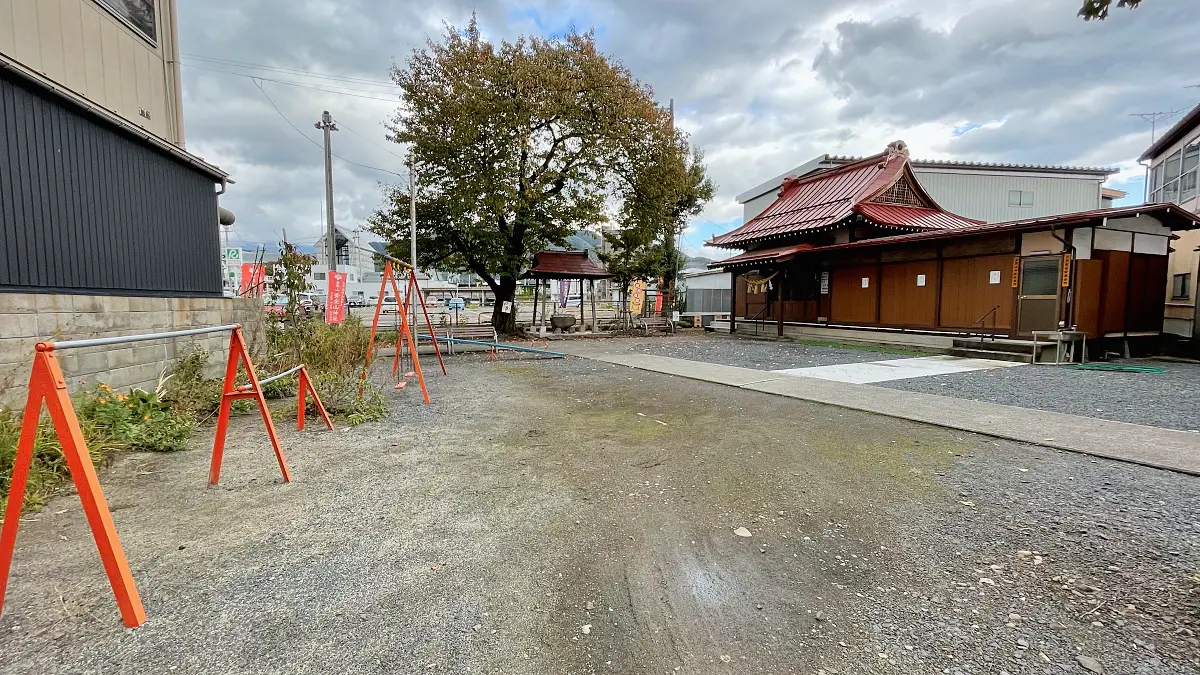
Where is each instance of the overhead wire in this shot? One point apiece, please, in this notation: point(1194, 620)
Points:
point(290, 71)
point(319, 145)
point(356, 93)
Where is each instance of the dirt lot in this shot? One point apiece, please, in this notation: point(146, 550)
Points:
point(576, 517)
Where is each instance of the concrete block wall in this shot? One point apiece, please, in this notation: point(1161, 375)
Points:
point(26, 319)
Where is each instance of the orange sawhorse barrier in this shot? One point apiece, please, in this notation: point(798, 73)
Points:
point(414, 290)
point(306, 384)
point(230, 393)
point(389, 277)
point(47, 385)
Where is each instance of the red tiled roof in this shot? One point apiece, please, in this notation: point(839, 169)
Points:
point(822, 200)
point(914, 217)
point(566, 265)
point(1171, 214)
point(782, 254)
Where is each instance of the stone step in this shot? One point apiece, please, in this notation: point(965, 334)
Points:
point(990, 354)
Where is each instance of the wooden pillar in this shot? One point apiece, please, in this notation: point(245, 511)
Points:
point(779, 304)
point(733, 277)
point(592, 288)
point(581, 317)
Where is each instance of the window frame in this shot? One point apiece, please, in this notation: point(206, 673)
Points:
point(1020, 199)
point(1181, 286)
point(112, 11)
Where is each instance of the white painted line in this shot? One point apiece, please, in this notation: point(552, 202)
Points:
point(896, 369)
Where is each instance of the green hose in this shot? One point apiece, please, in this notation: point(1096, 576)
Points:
point(1117, 368)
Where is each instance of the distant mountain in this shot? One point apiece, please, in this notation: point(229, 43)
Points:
point(698, 261)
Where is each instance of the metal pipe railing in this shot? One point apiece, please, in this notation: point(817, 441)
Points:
point(279, 375)
point(120, 339)
point(494, 345)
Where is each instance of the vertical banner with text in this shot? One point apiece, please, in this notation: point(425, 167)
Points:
point(335, 299)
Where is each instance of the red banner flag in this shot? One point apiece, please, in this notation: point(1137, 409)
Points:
point(253, 281)
point(335, 299)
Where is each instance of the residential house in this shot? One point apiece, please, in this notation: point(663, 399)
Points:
point(1173, 162)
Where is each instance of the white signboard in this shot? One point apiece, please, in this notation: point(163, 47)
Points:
point(866, 282)
point(994, 277)
point(824, 283)
point(233, 254)
point(506, 307)
point(920, 279)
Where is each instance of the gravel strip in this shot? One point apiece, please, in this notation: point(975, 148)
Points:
point(1170, 399)
point(762, 355)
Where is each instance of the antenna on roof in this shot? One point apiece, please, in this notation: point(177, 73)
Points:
point(1155, 117)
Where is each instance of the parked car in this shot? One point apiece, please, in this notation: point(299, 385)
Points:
point(390, 304)
point(274, 307)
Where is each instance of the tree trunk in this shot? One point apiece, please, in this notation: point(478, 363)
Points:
point(505, 291)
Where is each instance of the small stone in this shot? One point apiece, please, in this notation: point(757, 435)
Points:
point(1022, 643)
point(725, 658)
point(1091, 665)
point(586, 629)
point(1014, 617)
point(477, 626)
point(820, 616)
point(590, 605)
point(743, 532)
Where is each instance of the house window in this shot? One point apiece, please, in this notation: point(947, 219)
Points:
point(1181, 287)
point(139, 14)
point(1020, 198)
point(318, 276)
point(1176, 178)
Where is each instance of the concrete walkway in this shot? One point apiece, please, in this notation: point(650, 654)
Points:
point(1150, 446)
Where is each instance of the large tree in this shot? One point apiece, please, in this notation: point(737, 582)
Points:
point(516, 146)
point(1098, 9)
point(666, 185)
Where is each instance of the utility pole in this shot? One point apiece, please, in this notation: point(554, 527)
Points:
point(668, 285)
point(326, 125)
point(412, 232)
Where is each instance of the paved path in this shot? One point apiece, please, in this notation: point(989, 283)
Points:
point(896, 369)
point(1150, 446)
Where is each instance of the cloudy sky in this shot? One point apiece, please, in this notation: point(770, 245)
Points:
point(761, 88)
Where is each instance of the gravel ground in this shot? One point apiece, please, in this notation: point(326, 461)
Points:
point(1162, 400)
point(577, 517)
point(746, 353)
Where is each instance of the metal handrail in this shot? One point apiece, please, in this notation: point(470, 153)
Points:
point(760, 318)
point(992, 313)
point(49, 346)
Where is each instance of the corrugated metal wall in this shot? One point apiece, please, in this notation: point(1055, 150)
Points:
point(985, 196)
point(87, 209)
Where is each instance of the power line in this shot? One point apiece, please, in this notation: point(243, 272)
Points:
point(341, 92)
point(310, 140)
point(291, 71)
point(342, 125)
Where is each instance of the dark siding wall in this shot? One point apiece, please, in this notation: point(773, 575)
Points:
point(86, 209)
